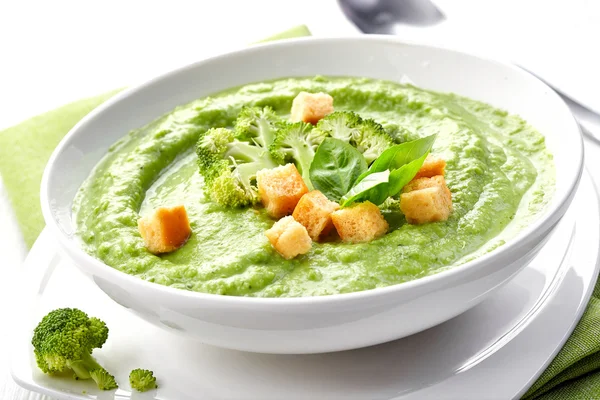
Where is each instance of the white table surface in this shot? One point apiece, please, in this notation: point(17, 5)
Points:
point(55, 52)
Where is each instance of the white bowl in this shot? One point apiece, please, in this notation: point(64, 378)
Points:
point(329, 323)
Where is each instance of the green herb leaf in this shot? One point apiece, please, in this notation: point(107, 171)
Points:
point(401, 176)
point(403, 160)
point(336, 167)
point(374, 188)
point(401, 154)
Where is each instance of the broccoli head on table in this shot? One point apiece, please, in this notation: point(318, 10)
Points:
point(64, 340)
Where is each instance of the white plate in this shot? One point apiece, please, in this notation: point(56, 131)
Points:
point(494, 350)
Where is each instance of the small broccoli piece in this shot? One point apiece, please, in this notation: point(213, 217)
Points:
point(257, 125)
point(229, 167)
point(342, 125)
point(391, 204)
point(103, 379)
point(368, 136)
point(142, 380)
point(297, 142)
point(64, 340)
point(372, 140)
point(212, 146)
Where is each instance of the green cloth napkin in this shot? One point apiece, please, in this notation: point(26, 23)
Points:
point(25, 149)
point(575, 371)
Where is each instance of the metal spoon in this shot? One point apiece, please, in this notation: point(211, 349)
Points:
point(382, 16)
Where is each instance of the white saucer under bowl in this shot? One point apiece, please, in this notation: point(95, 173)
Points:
point(495, 350)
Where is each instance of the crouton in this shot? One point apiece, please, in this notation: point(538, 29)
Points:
point(289, 237)
point(359, 223)
point(311, 107)
point(423, 183)
point(314, 212)
point(165, 230)
point(431, 167)
point(280, 189)
point(426, 200)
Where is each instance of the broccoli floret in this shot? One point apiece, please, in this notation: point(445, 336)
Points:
point(64, 340)
point(297, 142)
point(142, 380)
point(368, 136)
point(372, 140)
point(103, 379)
point(212, 146)
point(257, 125)
point(391, 204)
point(229, 166)
point(342, 125)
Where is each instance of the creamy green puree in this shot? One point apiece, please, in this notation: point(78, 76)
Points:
point(498, 170)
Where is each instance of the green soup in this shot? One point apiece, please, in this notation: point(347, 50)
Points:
point(498, 170)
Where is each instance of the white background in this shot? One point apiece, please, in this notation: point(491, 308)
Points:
point(54, 52)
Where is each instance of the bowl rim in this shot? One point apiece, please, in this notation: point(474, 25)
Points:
point(545, 219)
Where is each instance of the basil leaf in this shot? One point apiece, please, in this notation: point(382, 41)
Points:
point(402, 154)
point(403, 160)
point(373, 188)
point(401, 176)
point(335, 168)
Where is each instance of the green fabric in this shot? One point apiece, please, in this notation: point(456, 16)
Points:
point(24, 151)
point(25, 148)
point(295, 32)
point(586, 387)
point(575, 371)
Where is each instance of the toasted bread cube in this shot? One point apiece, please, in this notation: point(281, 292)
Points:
point(431, 167)
point(165, 230)
point(314, 212)
point(280, 189)
point(311, 107)
point(289, 237)
point(426, 200)
point(423, 183)
point(359, 223)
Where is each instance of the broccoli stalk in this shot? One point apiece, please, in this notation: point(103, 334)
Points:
point(297, 142)
point(83, 367)
point(229, 160)
point(64, 340)
point(142, 380)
